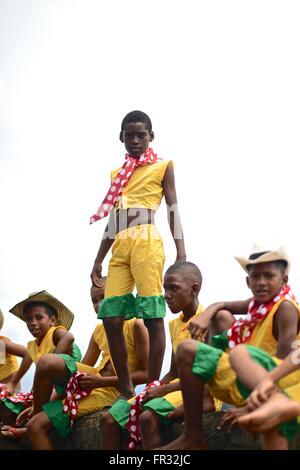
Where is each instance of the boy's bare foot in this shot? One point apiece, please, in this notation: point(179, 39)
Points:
point(231, 416)
point(185, 442)
point(13, 433)
point(278, 409)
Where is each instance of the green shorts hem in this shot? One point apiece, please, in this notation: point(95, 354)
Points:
point(149, 307)
point(220, 341)
point(161, 406)
point(57, 417)
point(120, 412)
point(206, 361)
point(76, 353)
point(260, 357)
point(13, 406)
point(71, 365)
point(118, 306)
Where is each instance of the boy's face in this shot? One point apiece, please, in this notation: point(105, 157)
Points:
point(38, 321)
point(179, 292)
point(265, 281)
point(136, 138)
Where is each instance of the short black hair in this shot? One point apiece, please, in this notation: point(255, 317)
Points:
point(137, 116)
point(189, 270)
point(280, 264)
point(49, 309)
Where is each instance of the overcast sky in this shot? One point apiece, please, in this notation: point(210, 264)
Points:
point(220, 81)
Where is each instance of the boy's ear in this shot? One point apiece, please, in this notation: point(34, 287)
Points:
point(196, 288)
point(285, 279)
point(247, 281)
point(121, 137)
point(151, 136)
point(53, 320)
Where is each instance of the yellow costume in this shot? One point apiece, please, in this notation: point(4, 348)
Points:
point(99, 398)
point(137, 252)
point(10, 365)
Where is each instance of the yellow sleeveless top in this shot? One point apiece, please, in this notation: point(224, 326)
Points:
point(36, 350)
point(11, 363)
point(262, 336)
point(101, 339)
point(179, 329)
point(144, 188)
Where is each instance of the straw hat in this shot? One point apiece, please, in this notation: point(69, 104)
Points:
point(1, 319)
point(263, 255)
point(64, 316)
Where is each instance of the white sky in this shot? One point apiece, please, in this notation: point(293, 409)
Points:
point(220, 81)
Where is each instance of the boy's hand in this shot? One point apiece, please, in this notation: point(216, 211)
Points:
point(24, 416)
point(153, 392)
point(198, 326)
point(261, 393)
point(88, 382)
point(96, 275)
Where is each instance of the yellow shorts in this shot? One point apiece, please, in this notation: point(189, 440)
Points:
point(137, 261)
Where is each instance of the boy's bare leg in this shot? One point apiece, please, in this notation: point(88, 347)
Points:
point(49, 369)
point(157, 344)
point(192, 391)
point(151, 425)
point(221, 322)
point(38, 432)
point(118, 350)
point(272, 440)
point(112, 435)
point(278, 409)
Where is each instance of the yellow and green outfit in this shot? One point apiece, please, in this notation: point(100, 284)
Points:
point(36, 351)
point(162, 405)
point(99, 398)
point(137, 252)
point(212, 365)
point(11, 364)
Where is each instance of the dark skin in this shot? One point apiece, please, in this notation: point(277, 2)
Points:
point(136, 138)
point(265, 280)
point(16, 350)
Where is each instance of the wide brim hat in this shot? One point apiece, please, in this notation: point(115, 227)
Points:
point(1, 319)
point(263, 255)
point(64, 316)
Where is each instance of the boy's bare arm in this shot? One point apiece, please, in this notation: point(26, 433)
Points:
point(172, 374)
point(168, 185)
point(286, 325)
point(200, 324)
point(63, 341)
point(14, 348)
point(92, 354)
point(24, 366)
point(105, 245)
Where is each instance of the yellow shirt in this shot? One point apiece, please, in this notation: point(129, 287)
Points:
point(11, 364)
point(262, 336)
point(47, 346)
point(179, 329)
point(144, 188)
point(101, 340)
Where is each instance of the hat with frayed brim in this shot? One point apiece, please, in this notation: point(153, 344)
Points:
point(261, 255)
point(64, 316)
point(1, 319)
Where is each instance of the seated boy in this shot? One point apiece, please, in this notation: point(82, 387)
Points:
point(48, 320)
point(272, 324)
point(100, 382)
point(182, 284)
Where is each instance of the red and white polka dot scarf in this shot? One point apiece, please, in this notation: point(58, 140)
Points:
point(20, 397)
point(133, 424)
point(241, 330)
point(121, 180)
point(74, 394)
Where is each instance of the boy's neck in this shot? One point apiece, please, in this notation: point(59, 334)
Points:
point(190, 310)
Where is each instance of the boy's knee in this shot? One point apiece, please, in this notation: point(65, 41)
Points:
point(34, 426)
point(186, 351)
point(236, 352)
point(46, 362)
point(223, 320)
point(154, 324)
point(113, 323)
point(146, 418)
point(107, 420)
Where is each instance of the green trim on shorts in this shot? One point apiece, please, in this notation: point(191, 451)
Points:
point(13, 406)
point(71, 365)
point(120, 412)
point(260, 357)
point(220, 341)
point(152, 306)
point(118, 306)
point(290, 429)
point(160, 406)
point(57, 417)
point(206, 361)
point(76, 353)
